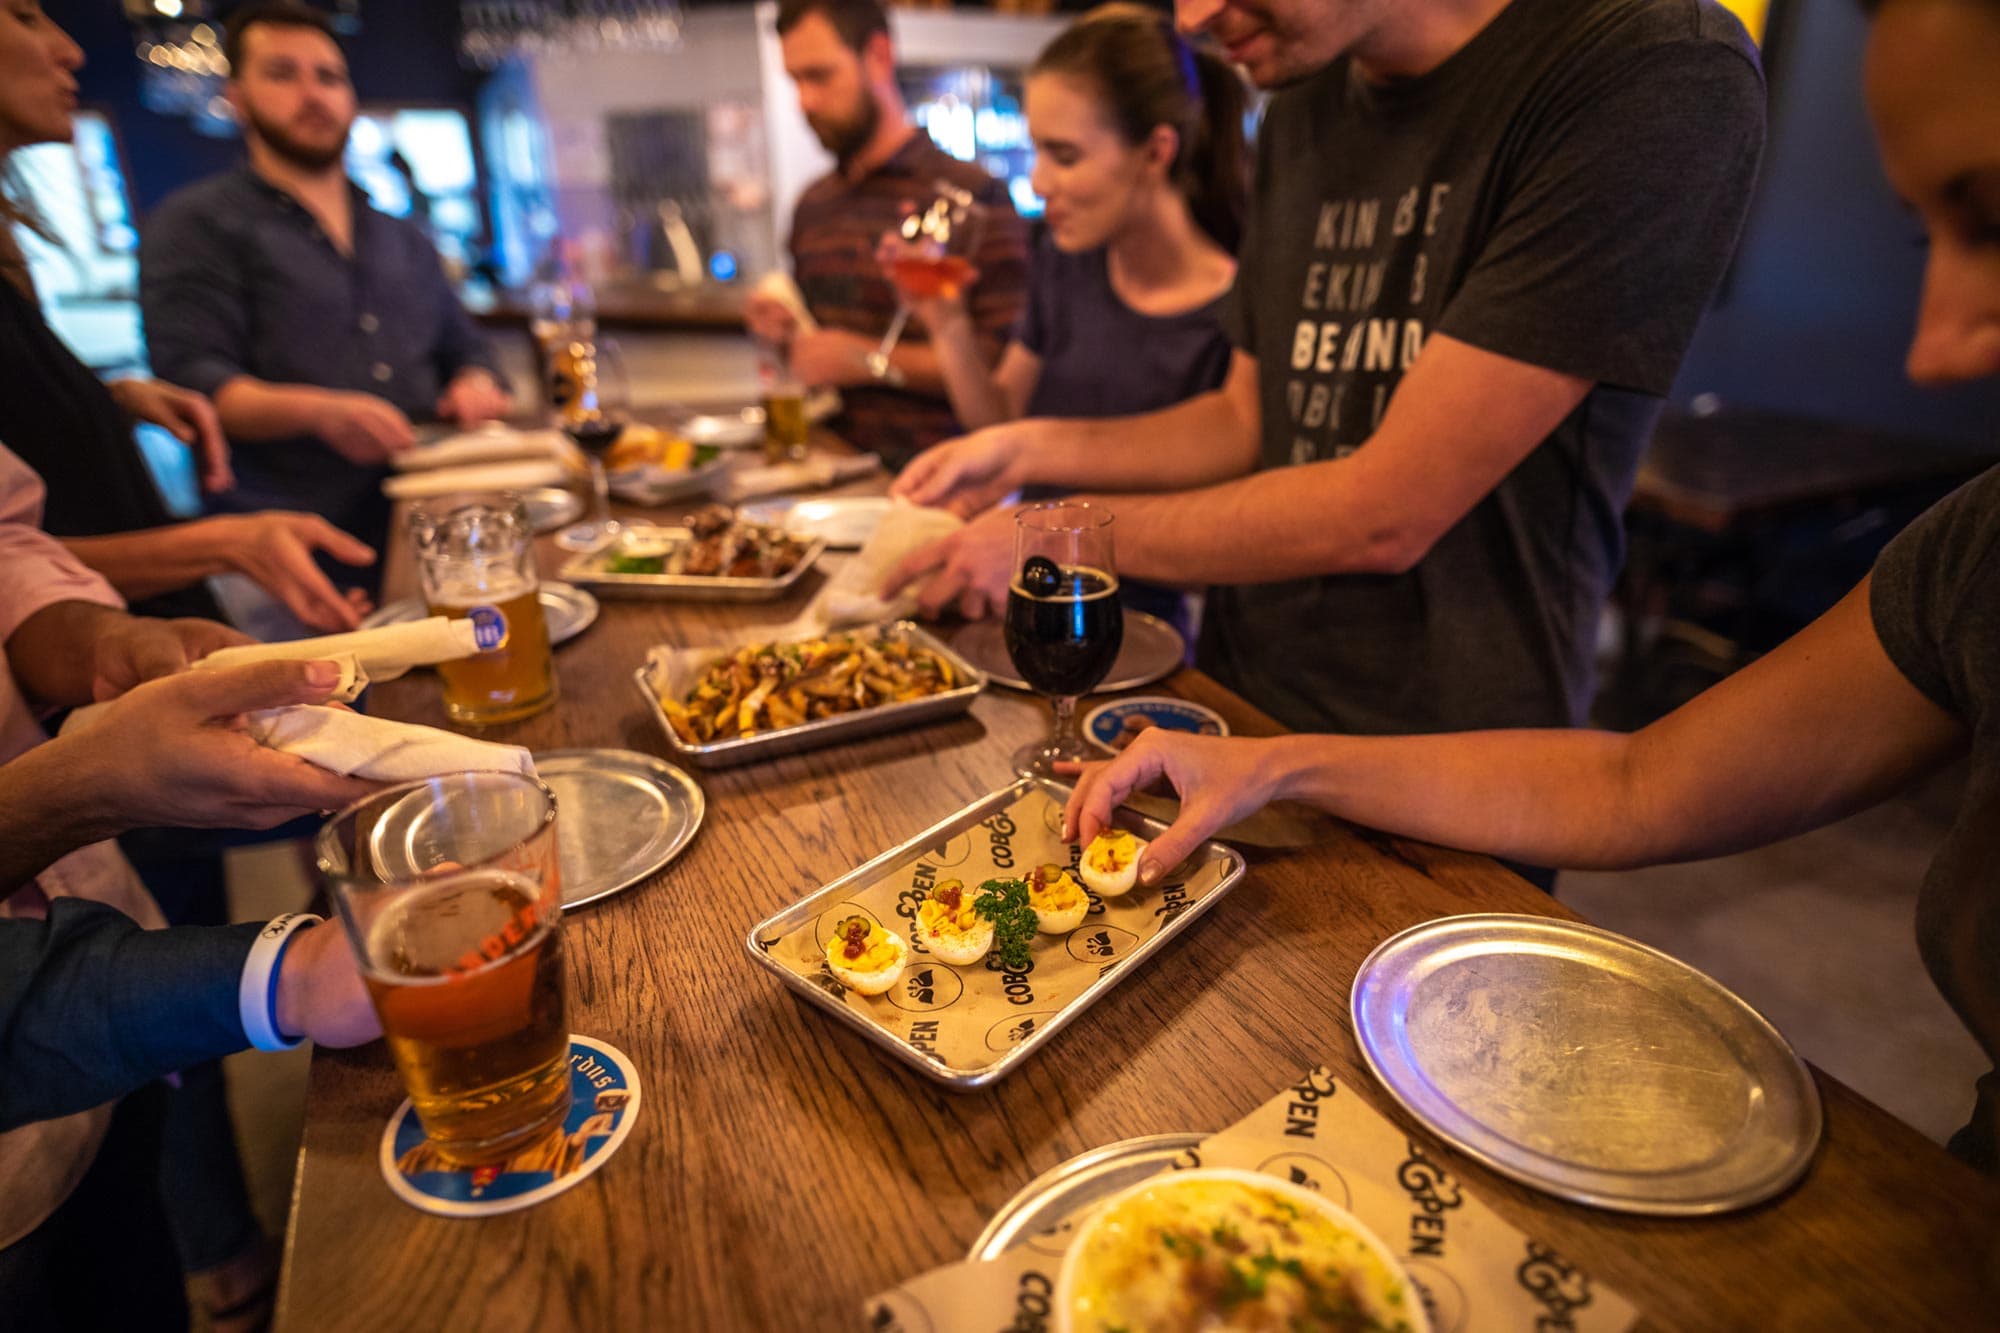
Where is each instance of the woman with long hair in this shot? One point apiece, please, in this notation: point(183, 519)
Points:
point(1899, 679)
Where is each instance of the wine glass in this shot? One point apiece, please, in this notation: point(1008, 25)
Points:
point(929, 256)
point(595, 420)
point(1064, 622)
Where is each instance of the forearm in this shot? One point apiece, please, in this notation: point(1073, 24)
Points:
point(253, 410)
point(92, 1007)
point(1195, 443)
point(52, 806)
point(977, 398)
point(158, 560)
point(53, 654)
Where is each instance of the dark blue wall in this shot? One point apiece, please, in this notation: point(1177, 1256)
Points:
point(407, 51)
point(1824, 297)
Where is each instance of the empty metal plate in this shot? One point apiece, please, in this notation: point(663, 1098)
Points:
point(1152, 650)
point(551, 507)
point(620, 816)
point(1586, 1064)
point(568, 610)
point(1081, 1181)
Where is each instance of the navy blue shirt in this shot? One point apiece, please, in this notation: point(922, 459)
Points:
point(238, 278)
point(1102, 358)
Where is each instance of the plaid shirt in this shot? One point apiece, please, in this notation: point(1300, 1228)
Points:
point(835, 230)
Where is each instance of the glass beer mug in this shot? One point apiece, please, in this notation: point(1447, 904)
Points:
point(476, 560)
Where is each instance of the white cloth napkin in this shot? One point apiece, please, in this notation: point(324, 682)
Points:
point(812, 474)
point(383, 653)
point(514, 476)
point(491, 443)
point(380, 750)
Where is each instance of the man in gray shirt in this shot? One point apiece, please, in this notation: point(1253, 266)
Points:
point(1483, 232)
point(320, 327)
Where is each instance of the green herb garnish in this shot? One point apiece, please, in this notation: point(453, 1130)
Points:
point(1005, 903)
point(635, 564)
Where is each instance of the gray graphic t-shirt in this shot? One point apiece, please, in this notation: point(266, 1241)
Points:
point(1565, 190)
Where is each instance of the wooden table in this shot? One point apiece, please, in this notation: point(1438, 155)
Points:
point(716, 1212)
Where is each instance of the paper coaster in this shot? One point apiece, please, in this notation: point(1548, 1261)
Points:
point(1115, 725)
point(604, 1100)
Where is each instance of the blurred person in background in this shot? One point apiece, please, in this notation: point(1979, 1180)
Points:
point(1899, 679)
point(321, 328)
point(1141, 161)
point(840, 55)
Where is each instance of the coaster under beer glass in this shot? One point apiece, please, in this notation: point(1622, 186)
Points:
point(476, 560)
point(451, 891)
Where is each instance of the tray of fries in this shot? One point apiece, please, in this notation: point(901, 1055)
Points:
point(723, 706)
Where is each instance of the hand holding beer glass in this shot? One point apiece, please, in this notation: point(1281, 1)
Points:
point(476, 560)
point(451, 891)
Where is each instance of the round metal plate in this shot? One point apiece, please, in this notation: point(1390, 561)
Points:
point(845, 521)
point(1586, 1064)
point(569, 612)
point(1077, 1183)
point(551, 507)
point(1153, 650)
point(620, 816)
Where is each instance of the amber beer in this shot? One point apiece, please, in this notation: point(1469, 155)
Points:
point(516, 675)
point(467, 977)
point(785, 423)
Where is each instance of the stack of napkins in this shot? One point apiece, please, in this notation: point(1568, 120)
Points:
point(491, 443)
point(811, 474)
point(519, 475)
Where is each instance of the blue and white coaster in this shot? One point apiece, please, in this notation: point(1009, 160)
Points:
point(1115, 725)
point(604, 1101)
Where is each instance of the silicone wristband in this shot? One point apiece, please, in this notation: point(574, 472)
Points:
point(257, 993)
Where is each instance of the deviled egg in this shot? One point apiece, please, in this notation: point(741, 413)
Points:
point(1058, 900)
point(1111, 863)
point(949, 924)
point(864, 957)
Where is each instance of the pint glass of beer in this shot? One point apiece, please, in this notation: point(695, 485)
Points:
point(451, 891)
point(476, 559)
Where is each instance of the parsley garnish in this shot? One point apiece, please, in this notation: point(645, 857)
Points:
point(1005, 903)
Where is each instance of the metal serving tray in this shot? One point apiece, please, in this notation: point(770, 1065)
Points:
point(925, 1002)
point(584, 571)
point(826, 730)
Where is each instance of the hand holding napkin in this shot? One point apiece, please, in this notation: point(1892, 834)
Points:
point(379, 750)
point(854, 595)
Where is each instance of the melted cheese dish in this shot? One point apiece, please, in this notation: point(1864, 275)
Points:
point(1203, 1254)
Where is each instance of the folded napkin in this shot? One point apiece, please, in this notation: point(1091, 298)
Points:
point(853, 596)
point(778, 286)
point(379, 750)
point(383, 654)
point(814, 473)
point(513, 476)
point(491, 443)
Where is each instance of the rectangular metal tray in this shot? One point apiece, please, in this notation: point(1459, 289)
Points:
point(581, 570)
point(827, 730)
point(769, 931)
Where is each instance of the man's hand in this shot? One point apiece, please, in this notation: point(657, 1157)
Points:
point(770, 320)
point(275, 548)
point(362, 428)
point(831, 357)
point(188, 416)
point(134, 649)
point(1219, 780)
point(970, 569)
point(474, 396)
point(320, 994)
point(968, 475)
point(173, 752)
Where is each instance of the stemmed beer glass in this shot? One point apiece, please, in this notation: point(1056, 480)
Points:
point(1064, 623)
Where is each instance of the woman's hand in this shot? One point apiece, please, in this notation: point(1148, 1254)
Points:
point(188, 416)
point(1219, 781)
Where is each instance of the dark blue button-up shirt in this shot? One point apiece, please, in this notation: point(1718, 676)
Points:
point(238, 278)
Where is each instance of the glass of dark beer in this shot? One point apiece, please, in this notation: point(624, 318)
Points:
point(1064, 623)
point(451, 891)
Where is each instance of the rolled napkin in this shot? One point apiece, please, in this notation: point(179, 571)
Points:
point(492, 443)
point(378, 750)
point(854, 595)
point(813, 474)
point(779, 287)
point(484, 477)
point(383, 653)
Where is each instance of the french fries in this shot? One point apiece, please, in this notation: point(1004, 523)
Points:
point(766, 686)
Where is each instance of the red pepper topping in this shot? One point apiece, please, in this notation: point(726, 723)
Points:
point(950, 894)
point(856, 936)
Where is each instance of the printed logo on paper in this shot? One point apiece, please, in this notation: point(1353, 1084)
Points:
point(489, 628)
point(1011, 1032)
point(1444, 1299)
point(1100, 944)
point(1310, 1173)
point(898, 1313)
point(604, 1101)
point(926, 988)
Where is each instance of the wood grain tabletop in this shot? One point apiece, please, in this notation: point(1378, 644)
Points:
point(721, 1210)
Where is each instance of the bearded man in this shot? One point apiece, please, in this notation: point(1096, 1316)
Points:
point(839, 54)
point(320, 327)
